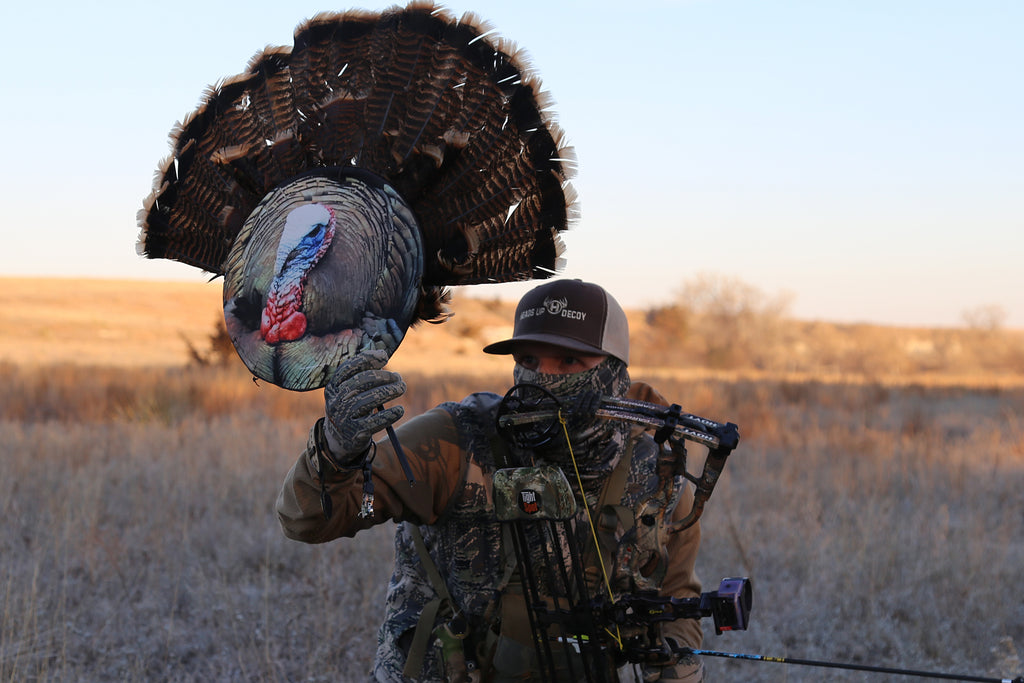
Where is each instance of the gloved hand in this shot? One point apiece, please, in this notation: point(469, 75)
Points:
point(358, 387)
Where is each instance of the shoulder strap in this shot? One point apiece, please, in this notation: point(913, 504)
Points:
point(425, 625)
point(442, 604)
point(610, 513)
point(615, 487)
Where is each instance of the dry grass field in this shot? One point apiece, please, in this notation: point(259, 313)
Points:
point(877, 506)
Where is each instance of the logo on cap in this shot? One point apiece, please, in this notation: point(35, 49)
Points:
point(555, 306)
point(559, 308)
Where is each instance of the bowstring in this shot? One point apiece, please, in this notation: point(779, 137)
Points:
point(617, 636)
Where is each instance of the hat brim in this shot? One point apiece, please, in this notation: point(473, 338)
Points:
point(509, 346)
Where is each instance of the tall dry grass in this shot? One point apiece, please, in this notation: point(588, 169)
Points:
point(880, 524)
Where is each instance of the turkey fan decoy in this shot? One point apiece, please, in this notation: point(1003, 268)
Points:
point(341, 185)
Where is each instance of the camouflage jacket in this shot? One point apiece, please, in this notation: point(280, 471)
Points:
point(450, 451)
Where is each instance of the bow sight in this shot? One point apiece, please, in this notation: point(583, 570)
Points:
point(729, 607)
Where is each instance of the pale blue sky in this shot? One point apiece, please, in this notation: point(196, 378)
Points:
point(865, 156)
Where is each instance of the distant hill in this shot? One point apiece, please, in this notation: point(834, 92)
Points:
point(126, 323)
point(131, 323)
point(103, 322)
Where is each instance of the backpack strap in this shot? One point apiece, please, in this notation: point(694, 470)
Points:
point(442, 604)
point(615, 487)
point(610, 514)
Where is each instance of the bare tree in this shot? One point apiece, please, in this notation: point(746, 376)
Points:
point(719, 321)
point(987, 318)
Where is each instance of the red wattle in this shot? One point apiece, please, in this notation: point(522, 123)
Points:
point(287, 329)
point(282, 320)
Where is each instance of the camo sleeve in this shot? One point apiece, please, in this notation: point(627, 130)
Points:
point(438, 465)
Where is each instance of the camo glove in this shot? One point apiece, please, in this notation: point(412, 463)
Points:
point(352, 397)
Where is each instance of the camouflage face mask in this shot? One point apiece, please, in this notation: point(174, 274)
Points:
point(608, 378)
point(596, 443)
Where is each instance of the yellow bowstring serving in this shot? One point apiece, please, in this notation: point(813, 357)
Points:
point(590, 521)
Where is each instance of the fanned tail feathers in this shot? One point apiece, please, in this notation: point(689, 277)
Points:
point(448, 115)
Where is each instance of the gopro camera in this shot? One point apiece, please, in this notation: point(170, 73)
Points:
point(730, 604)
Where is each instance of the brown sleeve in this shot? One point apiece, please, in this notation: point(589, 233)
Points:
point(681, 579)
point(438, 465)
point(641, 391)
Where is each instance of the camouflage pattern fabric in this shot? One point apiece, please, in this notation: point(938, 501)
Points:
point(466, 544)
point(532, 493)
point(597, 444)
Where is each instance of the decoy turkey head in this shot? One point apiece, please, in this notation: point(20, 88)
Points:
point(328, 264)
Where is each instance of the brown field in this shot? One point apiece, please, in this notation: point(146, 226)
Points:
point(121, 323)
point(876, 500)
